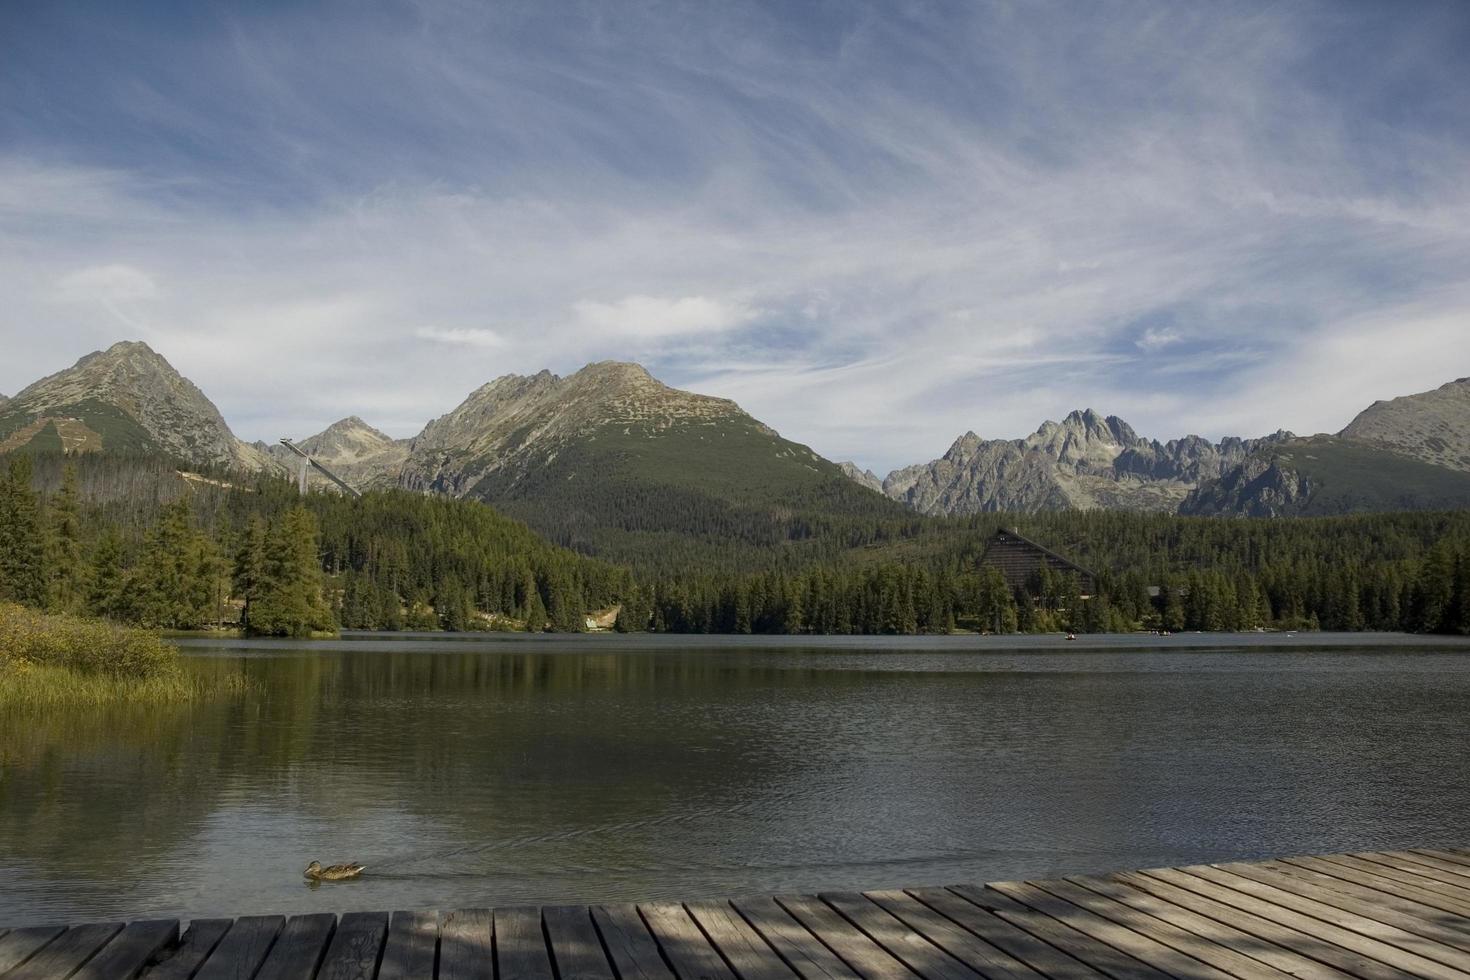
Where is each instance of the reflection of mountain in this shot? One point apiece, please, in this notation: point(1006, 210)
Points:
point(499, 771)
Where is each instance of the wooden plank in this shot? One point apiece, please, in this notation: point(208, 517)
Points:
point(356, 946)
point(239, 954)
point(1401, 898)
point(1407, 872)
point(1121, 938)
point(1284, 960)
point(1267, 908)
point(1376, 919)
point(413, 942)
point(750, 956)
point(1446, 857)
point(1386, 878)
point(576, 949)
point(1200, 896)
point(130, 950)
point(520, 945)
point(631, 947)
point(1040, 956)
point(65, 954)
point(1438, 860)
point(183, 960)
point(912, 949)
point(1079, 945)
point(1228, 961)
point(683, 945)
point(964, 946)
point(801, 950)
point(298, 950)
point(870, 960)
point(465, 951)
point(19, 945)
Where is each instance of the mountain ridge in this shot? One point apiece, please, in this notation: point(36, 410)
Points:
point(1085, 461)
point(595, 455)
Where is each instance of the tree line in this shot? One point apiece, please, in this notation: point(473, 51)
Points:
point(137, 542)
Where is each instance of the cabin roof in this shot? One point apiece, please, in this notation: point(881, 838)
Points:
point(1017, 558)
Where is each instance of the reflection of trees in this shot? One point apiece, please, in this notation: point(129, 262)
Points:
point(540, 747)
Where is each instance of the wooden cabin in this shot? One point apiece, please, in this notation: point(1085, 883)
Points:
point(1020, 560)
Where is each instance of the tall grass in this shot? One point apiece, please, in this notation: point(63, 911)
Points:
point(48, 660)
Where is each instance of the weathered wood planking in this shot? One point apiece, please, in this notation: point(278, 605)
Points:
point(127, 953)
point(412, 946)
point(1367, 916)
point(465, 951)
point(65, 954)
point(183, 961)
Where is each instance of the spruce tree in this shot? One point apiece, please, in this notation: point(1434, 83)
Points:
point(22, 547)
point(64, 561)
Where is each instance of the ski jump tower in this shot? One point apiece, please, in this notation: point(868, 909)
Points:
point(307, 461)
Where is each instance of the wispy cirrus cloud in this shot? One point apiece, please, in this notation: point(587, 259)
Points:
point(874, 226)
point(462, 336)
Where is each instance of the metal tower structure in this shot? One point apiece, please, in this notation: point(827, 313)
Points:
point(306, 461)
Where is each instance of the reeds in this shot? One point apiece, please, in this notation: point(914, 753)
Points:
point(48, 660)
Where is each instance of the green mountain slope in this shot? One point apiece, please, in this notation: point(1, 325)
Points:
point(1329, 475)
point(614, 463)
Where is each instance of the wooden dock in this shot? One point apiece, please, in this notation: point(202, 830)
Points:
point(1370, 916)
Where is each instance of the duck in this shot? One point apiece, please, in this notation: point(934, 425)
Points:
point(332, 872)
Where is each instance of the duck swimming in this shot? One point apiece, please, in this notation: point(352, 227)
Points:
point(332, 872)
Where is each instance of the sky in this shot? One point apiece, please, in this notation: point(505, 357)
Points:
point(875, 225)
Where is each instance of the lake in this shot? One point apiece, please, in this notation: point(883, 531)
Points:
point(506, 770)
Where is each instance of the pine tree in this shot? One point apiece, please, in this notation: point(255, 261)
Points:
point(106, 592)
point(172, 585)
point(290, 602)
point(22, 547)
point(250, 569)
point(64, 560)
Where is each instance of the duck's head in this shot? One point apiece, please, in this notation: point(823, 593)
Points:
point(313, 869)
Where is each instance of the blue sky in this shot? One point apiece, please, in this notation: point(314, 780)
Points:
point(875, 225)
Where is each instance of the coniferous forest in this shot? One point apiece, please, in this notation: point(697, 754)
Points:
point(133, 540)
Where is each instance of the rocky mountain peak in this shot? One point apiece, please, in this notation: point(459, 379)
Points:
point(1432, 426)
point(1086, 460)
point(131, 379)
point(867, 478)
point(347, 438)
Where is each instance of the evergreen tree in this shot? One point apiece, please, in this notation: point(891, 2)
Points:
point(22, 547)
point(107, 590)
point(65, 562)
point(289, 601)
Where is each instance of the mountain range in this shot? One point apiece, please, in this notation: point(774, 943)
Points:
point(609, 459)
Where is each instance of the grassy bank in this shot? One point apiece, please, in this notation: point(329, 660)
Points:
point(54, 660)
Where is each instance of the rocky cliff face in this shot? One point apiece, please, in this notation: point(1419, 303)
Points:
point(1084, 461)
point(126, 397)
point(1260, 486)
point(867, 478)
point(1432, 426)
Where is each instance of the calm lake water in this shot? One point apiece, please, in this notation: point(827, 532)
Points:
point(494, 771)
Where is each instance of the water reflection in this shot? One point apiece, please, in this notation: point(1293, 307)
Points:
point(502, 773)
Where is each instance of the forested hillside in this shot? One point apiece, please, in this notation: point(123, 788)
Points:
point(136, 540)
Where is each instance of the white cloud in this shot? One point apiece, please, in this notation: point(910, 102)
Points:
point(112, 283)
point(872, 244)
point(1157, 338)
point(649, 317)
point(462, 336)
